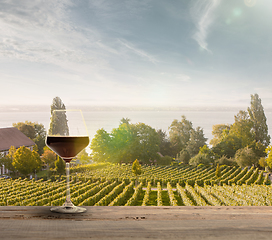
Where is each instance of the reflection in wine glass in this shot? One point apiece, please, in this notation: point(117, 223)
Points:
point(67, 136)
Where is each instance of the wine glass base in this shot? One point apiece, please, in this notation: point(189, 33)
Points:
point(66, 209)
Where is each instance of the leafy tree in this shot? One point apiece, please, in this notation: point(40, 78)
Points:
point(164, 145)
point(26, 128)
point(7, 162)
point(268, 151)
point(249, 130)
point(60, 166)
point(12, 151)
point(226, 161)
point(228, 138)
point(165, 160)
point(231, 138)
point(100, 146)
point(125, 143)
point(200, 158)
point(59, 122)
point(49, 158)
point(197, 140)
point(246, 157)
point(125, 120)
point(184, 156)
point(218, 171)
point(180, 132)
point(35, 131)
point(26, 161)
point(262, 162)
point(40, 136)
point(8, 159)
point(120, 148)
point(242, 128)
point(145, 143)
point(257, 116)
point(206, 150)
point(219, 131)
point(258, 148)
point(136, 169)
point(228, 146)
point(84, 157)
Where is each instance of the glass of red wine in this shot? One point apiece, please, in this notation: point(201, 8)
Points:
point(67, 136)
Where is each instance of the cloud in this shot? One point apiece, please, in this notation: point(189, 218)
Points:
point(43, 32)
point(138, 51)
point(119, 9)
point(203, 15)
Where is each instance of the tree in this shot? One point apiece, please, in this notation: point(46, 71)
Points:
point(125, 120)
point(179, 132)
point(228, 146)
point(242, 128)
point(257, 116)
point(184, 156)
point(218, 171)
point(145, 143)
point(164, 145)
point(120, 147)
point(219, 131)
point(230, 138)
point(12, 151)
point(200, 158)
point(126, 143)
point(35, 131)
point(100, 146)
point(246, 157)
point(7, 162)
point(40, 136)
point(60, 166)
point(59, 122)
point(197, 140)
point(268, 151)
point(136, 168)
point(26, 128)
point(49, 158)
point(262, 162)
point(165, 160)
point(26, 161)
point(83, 157)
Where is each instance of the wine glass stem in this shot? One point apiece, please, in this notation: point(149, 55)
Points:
point(68, 198)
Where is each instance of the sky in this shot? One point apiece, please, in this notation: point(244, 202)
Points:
point(147, 53)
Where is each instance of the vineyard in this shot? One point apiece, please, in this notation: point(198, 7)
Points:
point(114, 185)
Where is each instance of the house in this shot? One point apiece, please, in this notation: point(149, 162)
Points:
point(12, 137)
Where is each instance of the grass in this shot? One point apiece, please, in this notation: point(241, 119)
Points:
point(165, 198)
point(42, 174)
point(152, 198)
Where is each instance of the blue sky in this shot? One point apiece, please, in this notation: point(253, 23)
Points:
point(136, 53)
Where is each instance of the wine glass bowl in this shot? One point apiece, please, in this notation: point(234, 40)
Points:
point(67, 136)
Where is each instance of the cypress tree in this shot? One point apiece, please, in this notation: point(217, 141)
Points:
point(59, 122)
point(218, 171)
point(257, 116)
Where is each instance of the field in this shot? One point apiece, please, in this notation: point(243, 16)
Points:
point(114, 185)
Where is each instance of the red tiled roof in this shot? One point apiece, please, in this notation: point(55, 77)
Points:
point(13, 137)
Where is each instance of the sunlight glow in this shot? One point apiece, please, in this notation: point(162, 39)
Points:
point(250, 3)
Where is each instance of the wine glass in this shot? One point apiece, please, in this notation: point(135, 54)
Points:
point(67, 136)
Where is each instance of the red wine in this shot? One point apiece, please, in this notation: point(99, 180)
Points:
point(67, 147)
